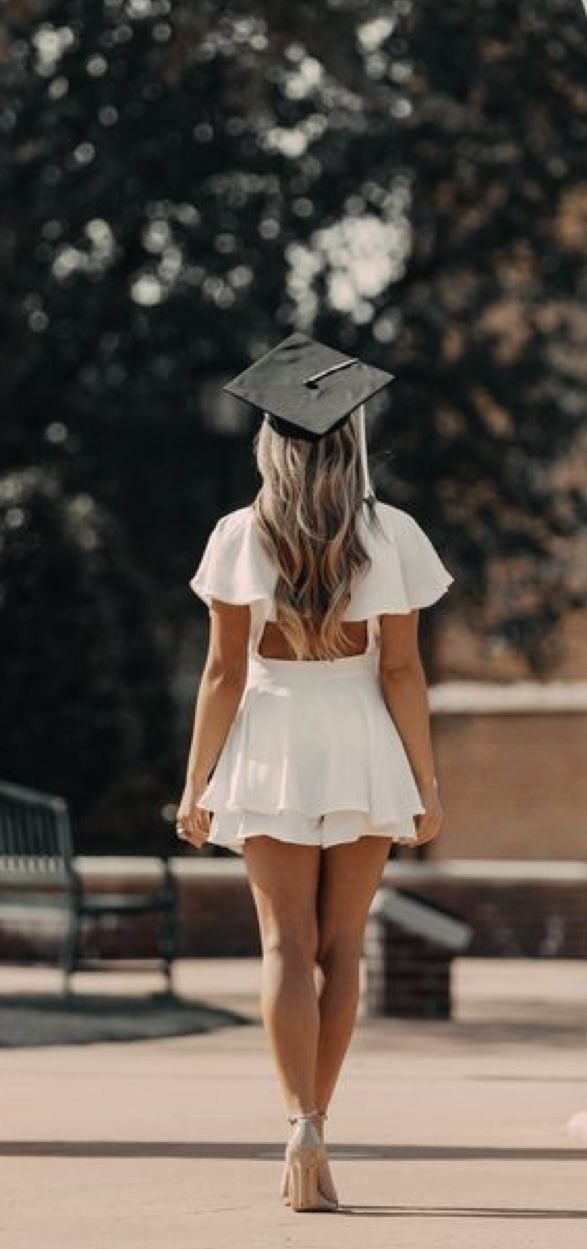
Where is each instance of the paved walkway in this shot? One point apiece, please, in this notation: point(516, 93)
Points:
point(442, 1134)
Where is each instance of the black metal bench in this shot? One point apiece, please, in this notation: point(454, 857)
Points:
point(37, 870)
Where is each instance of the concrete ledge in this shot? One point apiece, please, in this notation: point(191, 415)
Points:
point(145, 868)
point(492, 869)
point(487, 697)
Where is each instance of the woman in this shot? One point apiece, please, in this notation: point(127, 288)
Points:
point(312, 716)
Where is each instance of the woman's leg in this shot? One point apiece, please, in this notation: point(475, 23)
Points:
point(349, 877)
point(283, 879)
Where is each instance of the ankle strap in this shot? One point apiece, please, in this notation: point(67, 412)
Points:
point(307, 1114)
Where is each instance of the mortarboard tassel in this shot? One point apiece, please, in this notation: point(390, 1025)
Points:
point(368, 496)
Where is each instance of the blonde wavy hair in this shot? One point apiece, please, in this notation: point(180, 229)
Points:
point(307, 513)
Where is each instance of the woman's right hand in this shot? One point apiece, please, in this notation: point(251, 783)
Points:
point(428, 823)
point(192, 821)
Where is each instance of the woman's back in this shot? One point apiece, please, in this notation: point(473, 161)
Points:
point(273, 645)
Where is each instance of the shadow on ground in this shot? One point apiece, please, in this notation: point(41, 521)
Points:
point(50, 1019)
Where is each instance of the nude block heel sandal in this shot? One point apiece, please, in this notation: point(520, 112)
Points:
point(325, 1180)
point(305, 1155)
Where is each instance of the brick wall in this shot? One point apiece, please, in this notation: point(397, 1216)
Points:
point(513, 786)
point(516, 909)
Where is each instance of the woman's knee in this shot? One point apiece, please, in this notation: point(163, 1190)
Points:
point(294, 944)
point(339, 949)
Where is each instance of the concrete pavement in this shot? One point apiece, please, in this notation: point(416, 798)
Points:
point(440, 1133)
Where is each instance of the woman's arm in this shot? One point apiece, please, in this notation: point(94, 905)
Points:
point(403, 684)
point(219, 694)
point(220, 689)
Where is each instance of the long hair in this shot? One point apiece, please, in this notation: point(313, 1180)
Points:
point(307, 513)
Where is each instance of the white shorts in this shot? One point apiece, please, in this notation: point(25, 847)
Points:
point(331, 829)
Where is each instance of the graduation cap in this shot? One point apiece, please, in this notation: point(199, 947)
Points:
point(306, 389)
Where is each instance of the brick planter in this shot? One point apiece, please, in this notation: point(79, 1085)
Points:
point(409, 948)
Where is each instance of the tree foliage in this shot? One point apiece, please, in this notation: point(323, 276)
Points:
point(85, 704)
point(491, 351)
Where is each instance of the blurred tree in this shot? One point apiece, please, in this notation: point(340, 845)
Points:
point(188, 182)
point(167, 162)
point(491, 350)
point(85, 701)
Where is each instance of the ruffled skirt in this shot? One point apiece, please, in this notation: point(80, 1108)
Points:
point(312, 757)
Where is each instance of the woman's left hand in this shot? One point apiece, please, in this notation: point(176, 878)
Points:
point(429, 822)
point(192, 821)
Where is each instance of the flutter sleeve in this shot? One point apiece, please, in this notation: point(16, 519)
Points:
point(424, 576)
point(406, 571)
point(233, 567)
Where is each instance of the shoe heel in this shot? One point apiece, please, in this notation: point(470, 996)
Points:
point(303, 1188)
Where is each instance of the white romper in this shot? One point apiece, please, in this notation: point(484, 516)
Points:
point(313, 755)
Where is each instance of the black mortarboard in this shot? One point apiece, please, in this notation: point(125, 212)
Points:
point(306, 389)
